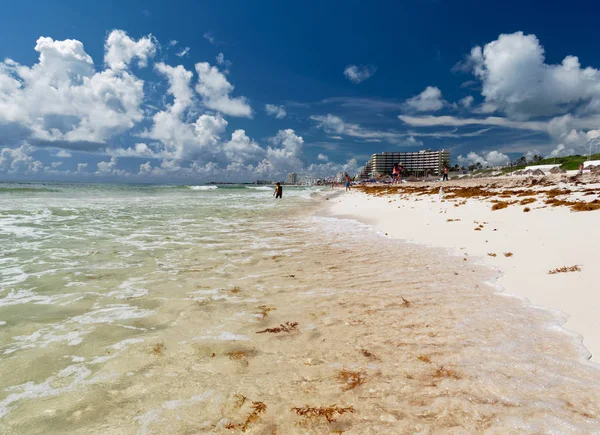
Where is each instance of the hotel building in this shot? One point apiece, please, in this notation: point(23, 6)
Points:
point(424, 162)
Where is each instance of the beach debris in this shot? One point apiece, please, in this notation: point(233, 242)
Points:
point(443, 372)
point(241, 356)
point(369, 355)
point(158, 349)
point(405, 302)
point(265, 310)
point(326, 412)
point(257, 409)
point(564, 269)
point(452, 220)
point(235, 290)
point(526, 210)
point(287, 327)
point(508, 254)
point(527, 201)
point(500, 205)
point(491, 254)
point(351, 378)
point(239, 401)
point(424, 358)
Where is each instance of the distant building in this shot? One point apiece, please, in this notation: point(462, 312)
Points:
point(424, 162)
point(292, 178)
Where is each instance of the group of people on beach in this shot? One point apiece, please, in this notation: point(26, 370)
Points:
point(397, 171)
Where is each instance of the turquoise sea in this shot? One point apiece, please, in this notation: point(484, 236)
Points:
point(162, 309)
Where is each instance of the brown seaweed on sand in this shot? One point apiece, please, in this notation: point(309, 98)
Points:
point(368, 354)
point(158, 349)
point(443, 372)
point(257, 409)
point(326, 412)
point(287, 327)
point(351, 378)
point(241, 356)
point(564, 269)
point(265, 310)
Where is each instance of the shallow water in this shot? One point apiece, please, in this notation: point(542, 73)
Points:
point(136, 310)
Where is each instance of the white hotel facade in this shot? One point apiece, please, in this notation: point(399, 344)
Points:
point(424, 162)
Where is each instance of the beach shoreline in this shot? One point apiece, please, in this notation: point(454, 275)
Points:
point(523, 247)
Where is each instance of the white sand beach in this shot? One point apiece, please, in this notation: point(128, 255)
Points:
point(543, 239)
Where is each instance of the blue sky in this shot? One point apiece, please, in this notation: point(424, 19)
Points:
point(188, 91)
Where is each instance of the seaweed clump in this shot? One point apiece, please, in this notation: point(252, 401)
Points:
point(257, 409)
point(241, 356)
point(265, 310)
point(158, 349)
point(287, 327)
point(326, 412)
point(564, 269)
point(443, 372)
point(369, 355)
point(351, 378)
point(500, 205)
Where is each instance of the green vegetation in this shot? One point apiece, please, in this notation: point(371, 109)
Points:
point(567, 162)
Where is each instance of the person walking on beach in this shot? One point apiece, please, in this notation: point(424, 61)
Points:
point(400, 172)
point(395, 173)
point(581, 169)
point(445, 178)
point(278, 190)
point(347, 182)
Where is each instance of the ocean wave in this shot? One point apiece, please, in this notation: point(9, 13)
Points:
point(261, 188)
point(26, 190)
point(202, 187)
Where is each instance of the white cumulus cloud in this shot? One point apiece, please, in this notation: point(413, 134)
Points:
point(277, 111)
point(120, 50)
point(492, 158)
point(214, 89)
point(517, 81)
point(430, 100)
point(359, 73)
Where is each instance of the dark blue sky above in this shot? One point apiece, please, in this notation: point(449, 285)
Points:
point(294, 54)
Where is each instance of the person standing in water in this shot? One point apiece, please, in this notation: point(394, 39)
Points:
point(278, 190)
